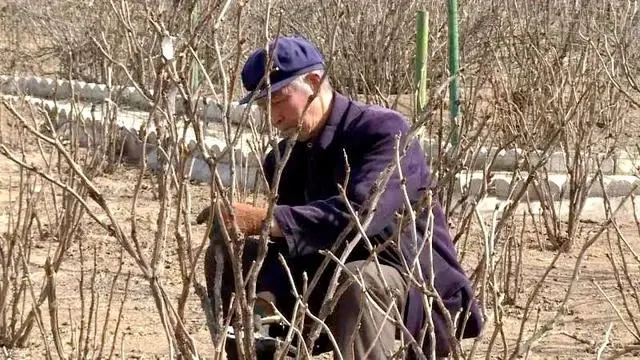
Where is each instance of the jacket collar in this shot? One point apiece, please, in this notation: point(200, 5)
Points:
point(342, 110)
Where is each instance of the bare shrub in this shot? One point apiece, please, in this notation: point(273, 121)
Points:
point(538, 78)
point(45, 221)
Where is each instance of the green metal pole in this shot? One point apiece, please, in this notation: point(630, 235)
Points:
point(454, 92)
point(420, 71)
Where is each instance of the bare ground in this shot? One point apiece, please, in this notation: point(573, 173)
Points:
point(577, 336)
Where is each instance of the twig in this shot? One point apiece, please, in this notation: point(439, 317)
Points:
point(111, 292)
point(307, 311)
point(120, 316)
point(605, 343)
point(53, 309)
point(627, 349)
point(579, 339)
point(615, 308)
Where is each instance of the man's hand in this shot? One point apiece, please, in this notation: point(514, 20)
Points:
point(248, 217)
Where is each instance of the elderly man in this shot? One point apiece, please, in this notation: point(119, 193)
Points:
point(311, 214)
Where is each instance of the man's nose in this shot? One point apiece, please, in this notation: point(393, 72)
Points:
point(276, 119)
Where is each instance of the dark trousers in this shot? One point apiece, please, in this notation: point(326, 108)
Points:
point(361, 330)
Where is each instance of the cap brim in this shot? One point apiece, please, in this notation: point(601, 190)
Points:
point(252, 96)
point(280, 84)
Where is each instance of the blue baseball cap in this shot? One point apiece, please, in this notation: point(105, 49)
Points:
point(292, 56)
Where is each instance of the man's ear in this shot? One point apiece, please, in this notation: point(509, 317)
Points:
point(315, 81)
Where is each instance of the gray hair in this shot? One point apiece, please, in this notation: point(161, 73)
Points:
point(299, 82)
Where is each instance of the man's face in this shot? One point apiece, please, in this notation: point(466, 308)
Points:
point(288, 109)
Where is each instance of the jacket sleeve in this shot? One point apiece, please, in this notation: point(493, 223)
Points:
point(371, 148)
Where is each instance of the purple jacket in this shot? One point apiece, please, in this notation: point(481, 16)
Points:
point(312, 214)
